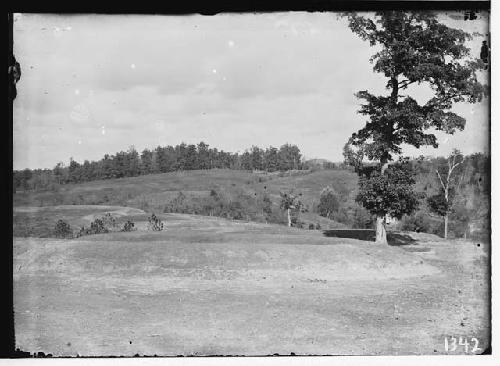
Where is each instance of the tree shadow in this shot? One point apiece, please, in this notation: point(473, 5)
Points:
point(397, 239)
point(393, 238)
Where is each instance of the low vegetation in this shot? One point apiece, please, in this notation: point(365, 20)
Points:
point(96, 227)
point(327, 195)
point(129, 226)
point(154, 223)
point(62, 230)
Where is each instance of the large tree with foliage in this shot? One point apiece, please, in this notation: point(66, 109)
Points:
point(413, 48)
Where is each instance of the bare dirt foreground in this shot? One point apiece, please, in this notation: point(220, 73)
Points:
point(208, 286)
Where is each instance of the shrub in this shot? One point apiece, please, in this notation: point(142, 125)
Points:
point(109, 221)
point(318, 226)
point(96, 227)
point(297, 223)
point(154, 223)
point(128, 226)
point(62, 230)
point(311, 226)
point(418, 222)
point(179, 204)
point(328, 203)
point(234, 211)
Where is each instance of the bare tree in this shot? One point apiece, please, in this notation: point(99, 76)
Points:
point(441, 203)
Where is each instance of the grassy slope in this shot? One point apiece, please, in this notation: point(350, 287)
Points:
point(152, 192)
point(210, 286)
point(40, 221)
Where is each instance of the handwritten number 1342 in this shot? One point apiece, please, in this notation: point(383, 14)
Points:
point(451, 344)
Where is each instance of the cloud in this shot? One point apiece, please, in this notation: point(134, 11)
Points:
point(150, 80)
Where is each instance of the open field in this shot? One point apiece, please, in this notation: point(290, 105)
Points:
point(208, 286)
point(152, 192)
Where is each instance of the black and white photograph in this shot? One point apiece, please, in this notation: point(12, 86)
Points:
point(287, 183)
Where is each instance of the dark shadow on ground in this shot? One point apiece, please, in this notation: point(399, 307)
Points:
point(393, 238)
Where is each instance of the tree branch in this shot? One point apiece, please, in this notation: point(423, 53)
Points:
point(441, 180)
point(454, 166)
point(404, 83)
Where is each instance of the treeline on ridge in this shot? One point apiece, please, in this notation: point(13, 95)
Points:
point(161, 160)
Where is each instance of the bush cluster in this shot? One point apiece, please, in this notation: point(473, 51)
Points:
point(109, 221)
point(63, 230)
point(234, 205)
point(128, 226)
point(96, 227)
point(103, 225)
point(419, 222)
point(154, 223)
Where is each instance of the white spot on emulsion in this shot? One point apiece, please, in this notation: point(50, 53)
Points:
point(214, 71)
point(230, 43)
point(132, 66)
point(103, 130)
point(79, 142)
point(80, 113)
point(77, 92)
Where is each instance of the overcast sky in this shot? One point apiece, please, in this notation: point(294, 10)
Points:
point(92, 85)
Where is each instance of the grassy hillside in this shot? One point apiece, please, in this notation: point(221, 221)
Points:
point(152, 193)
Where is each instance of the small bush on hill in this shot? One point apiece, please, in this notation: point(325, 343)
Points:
point(179, 204)
point(109, 221)
point(297, 223)
point(154, 223)
point(128, 226)
point(328, 203)
point(62, 230)
point(96, 227)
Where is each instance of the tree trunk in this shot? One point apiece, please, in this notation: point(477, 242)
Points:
point(289, 218)
point(446, 226)
point(381, 235)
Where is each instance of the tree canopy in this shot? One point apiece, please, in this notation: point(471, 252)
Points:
point(390, 193)
point(414, 47)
